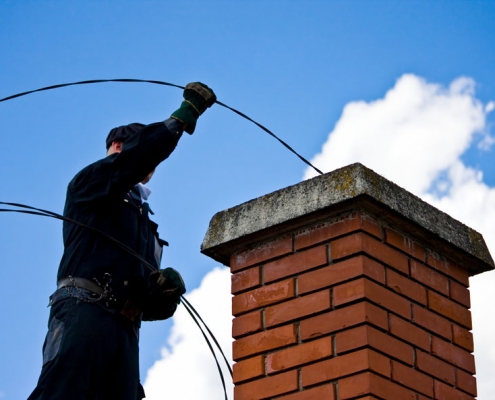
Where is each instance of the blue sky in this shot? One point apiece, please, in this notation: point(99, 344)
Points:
point(291, 65)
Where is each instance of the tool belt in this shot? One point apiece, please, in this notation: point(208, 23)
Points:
point(90, 292)
point(80, 283)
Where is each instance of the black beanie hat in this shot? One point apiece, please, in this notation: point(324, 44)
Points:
point(122, 133)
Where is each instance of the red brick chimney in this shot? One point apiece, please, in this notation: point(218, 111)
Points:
point(348, 287)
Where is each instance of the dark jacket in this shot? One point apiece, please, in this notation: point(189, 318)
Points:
point(99, 196)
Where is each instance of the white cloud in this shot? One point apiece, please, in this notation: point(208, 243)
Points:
point(486, 143)
point(415, 137)
point(188, 370)
point(467, 199)
point(400, 136)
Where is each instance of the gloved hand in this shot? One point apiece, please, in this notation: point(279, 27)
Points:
point(197, 98)
point(166, 288)
point(167, 282)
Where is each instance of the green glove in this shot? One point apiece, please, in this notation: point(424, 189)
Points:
point(197, 98)
point(166, 288)
point(167, 282)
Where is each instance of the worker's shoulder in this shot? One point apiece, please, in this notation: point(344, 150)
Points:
point(98, 170)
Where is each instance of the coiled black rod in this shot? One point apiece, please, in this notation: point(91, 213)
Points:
point(186, 302)
point(186, 306)
point(165, 84)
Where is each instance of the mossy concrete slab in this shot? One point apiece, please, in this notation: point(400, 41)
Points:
point(348, 188)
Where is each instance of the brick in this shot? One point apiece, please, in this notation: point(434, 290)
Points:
point(299, 355)
point(344, 318)
point(368, 398)
point(449, 309)
point(365, 335)
point(408, 332)
point(391, 346)
point(405, 244)
point(361, 242)
point(327, 231)
point(433, 366)
point(368, 383)
point(267, 387)
point(297, 308)
point(466, 382)
point(365, 289)
point(263, 296)
point(247, 323)
point(326, 392)
point(264, 341)
point(351, 339)
point(341, 272)
point(445, 392)
point(324, 232)
point(295, 263)
point(261, 253)
point(412, 378)
point(462, 337)
point(406, 287)
point(337, 367)
point(453, 354)
point(449, 268)
point(246, 279)
point(460, 294)
point(429, 277)
point(431, 322)
point(372, 227)
point(248, 369)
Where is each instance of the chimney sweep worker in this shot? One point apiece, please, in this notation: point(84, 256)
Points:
point(91, 348)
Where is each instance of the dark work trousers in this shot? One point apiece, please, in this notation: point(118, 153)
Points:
point(89, 353)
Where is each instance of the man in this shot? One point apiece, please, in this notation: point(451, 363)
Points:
point(104, 291)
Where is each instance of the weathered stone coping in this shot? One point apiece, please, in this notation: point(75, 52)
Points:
point(348, 188)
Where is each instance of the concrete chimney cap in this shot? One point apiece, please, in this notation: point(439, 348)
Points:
point(334, 192)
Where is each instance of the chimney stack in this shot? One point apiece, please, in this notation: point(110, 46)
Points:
point(346, 286)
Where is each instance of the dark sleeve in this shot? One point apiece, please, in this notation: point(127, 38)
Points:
point(112, 177)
